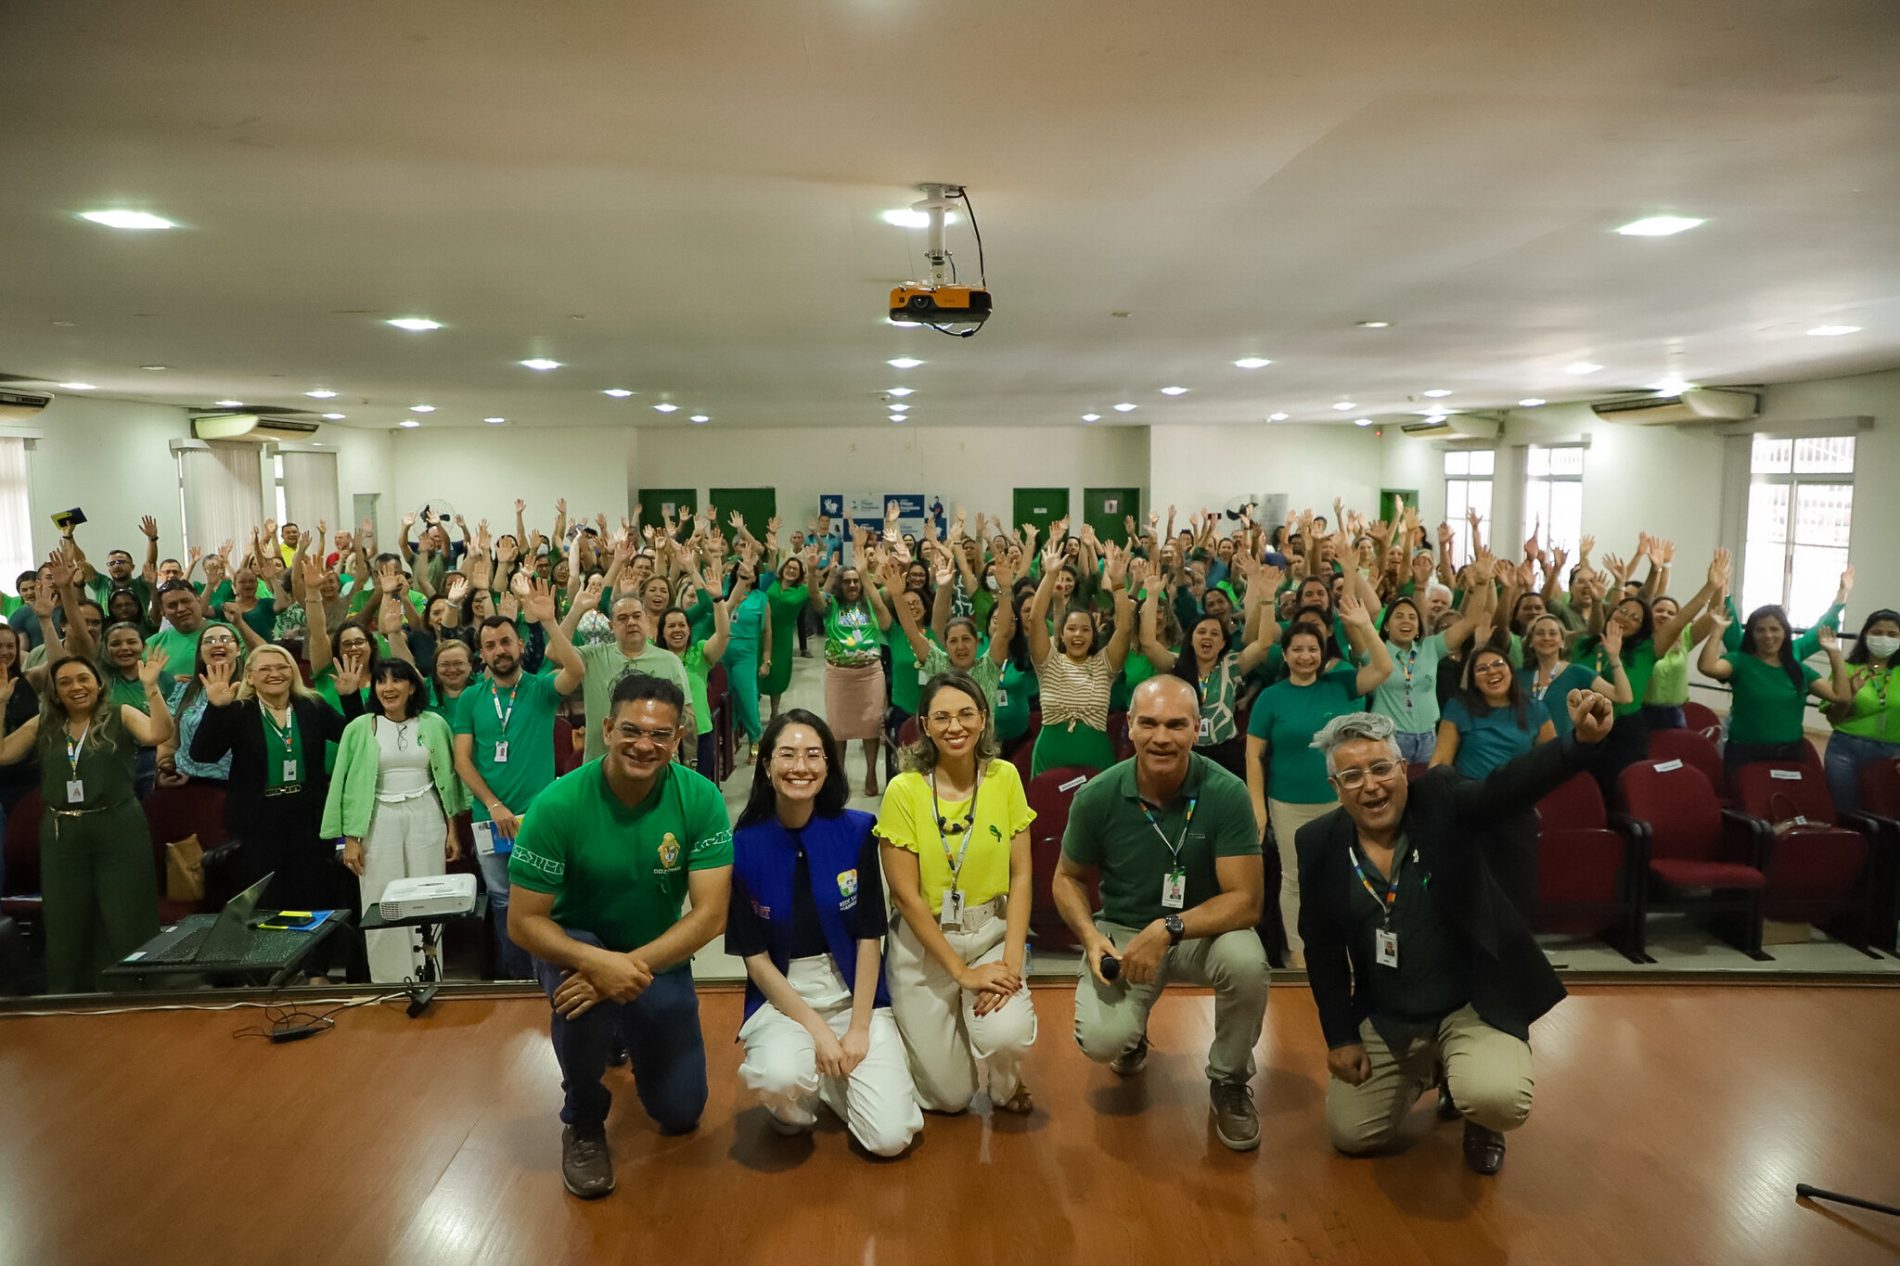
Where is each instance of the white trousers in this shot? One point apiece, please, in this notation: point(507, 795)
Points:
point(946, 1038)
point(876, 1100)
point(407, 839)
point(1287, 819)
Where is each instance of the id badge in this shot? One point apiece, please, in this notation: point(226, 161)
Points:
point(484, 833)
point(1174, 890)
point(1207, 729)
point(1385, 947)
point(75, 791)
point(501, 751)
point(923, 678)
point(290, 771)
point(950, 913)
point(1002, 697)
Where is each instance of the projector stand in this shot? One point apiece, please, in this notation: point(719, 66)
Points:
point(1803, 1191)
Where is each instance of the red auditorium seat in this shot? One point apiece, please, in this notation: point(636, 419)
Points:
point(1050, 795)
point(1701, 718)
point(171, 814)
point(1118, 735)
point(21, 897)
point(566, 758)
point(1819, 870)
point(1590, 879)
point(725, 744)
point(907, 732)
point(1022, 750)
point(1701, 856)
point(1693, 750)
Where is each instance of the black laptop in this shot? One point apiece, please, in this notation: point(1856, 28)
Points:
point(209, 942)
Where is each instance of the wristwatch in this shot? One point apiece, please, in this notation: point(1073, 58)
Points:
point(1176, 928)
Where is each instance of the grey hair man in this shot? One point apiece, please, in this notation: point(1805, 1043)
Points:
point(1415, 954)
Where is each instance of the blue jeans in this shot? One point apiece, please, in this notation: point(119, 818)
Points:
point(511, 961)
point(661, 1030)
point(1846, 756)
point(1416, 748)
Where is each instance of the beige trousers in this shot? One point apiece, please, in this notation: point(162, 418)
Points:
point(1110, 1019)
point(1287, 819)
point(1487, 1070)
point(947, 1039)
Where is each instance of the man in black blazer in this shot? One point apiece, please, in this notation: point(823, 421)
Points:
point(1415, 953)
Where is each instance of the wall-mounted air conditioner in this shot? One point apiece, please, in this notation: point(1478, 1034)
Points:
point(256, 427)
point(1454, 426)
point(1694, 404)
point(15, 404)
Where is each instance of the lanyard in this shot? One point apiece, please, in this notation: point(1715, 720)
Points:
point(1407, 659)
point(1392, 885)
point(1174, 849)
point(494, 697)
point(1557, 670)
point(74, 746)
point(968, 828)
point(284, 735)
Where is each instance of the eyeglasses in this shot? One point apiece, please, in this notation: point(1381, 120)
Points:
point(794, 756)
point(967, 718)
point(1378, 771)
point(634, 734)
point(1491, 666)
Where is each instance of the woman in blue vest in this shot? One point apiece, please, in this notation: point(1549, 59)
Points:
point(807, 916)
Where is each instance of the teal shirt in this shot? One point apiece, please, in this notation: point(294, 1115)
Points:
point(1287, 717)
point(1489, 742)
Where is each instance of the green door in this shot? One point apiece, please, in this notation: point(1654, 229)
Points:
point(655, 502)
point(758, 505)
point(1108, 509)
point(1041, 507)
point(1387, 500)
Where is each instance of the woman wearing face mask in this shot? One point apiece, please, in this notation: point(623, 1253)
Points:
point(1548, 675)
point(1867, 729)
point(97, 891)
point(1076, 672)
point(807, 916)
point(1410, 695)
point(855, 623)
point(393, 799)
point(955, 831)
point(700, 657)
point(177, 764)
point(1215, 672)
point(787, 599)
point(1771, 687)
point(1286, 778)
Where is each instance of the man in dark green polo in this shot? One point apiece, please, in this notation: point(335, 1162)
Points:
point(1171, 836)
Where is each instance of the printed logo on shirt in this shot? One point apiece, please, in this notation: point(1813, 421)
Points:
point(847, 890)
point(669, 851)
point(996, 833)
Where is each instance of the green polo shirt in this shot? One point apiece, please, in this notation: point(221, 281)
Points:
point(530, 707)
point(1109, 830)
point(617, 870)
point(181, 649)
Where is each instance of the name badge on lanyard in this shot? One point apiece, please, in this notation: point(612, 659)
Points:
point(290, 771)
point(501, 744)
point(1385, 947)
point(76, 786)
point(1174, 879)
point(501, 751)
point(1174, 890)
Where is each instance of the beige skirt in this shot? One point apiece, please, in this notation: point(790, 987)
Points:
point(854, 701)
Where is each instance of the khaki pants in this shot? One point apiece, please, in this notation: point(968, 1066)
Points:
point(1110, 1019)
point(1487, 1070)
point(1287, 819)
point(947, 1039)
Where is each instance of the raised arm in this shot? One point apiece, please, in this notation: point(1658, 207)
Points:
point(892, 577)
point(1365, 641)
point(1038, 630)
point(1160, 656)
point(1124, 634)
point(1481, 606)
point(1668, 633)
point(1710, 661)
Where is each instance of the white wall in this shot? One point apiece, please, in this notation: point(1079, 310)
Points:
point(482, 471)
point(1192, 467)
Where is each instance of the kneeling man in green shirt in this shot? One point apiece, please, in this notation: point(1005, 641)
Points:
point(1171, 837)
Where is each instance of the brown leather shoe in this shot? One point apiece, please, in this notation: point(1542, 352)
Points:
point(587, 1165)
point(1484, 1149)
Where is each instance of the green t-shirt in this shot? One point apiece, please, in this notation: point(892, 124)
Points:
point(617, 870)
point(904, 674)
point(102, 587)
point(1109, 830)
point(697, 670)
point(1669, 680)
point(1410, 695)
point(1876, 706)
point(181, 649)
point(1639, 666)
point(1287, 717)
point(606, 665)
point(1767, 707)
point(529, 708)
point(1554, 703)
point(851, 633)
point(1014, 690)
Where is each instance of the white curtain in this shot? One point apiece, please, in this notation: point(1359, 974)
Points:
point(310, 490)
point(224, 494)
point(16, 520)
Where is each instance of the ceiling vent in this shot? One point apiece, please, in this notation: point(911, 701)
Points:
point(15, 404)
point(1454, 426)
point(256, 427)
point(1694, 404)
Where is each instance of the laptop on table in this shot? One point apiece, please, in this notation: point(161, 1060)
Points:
point(226, 941)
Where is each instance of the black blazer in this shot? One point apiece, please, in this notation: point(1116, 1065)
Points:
point(1467, 834)
point(238, 728)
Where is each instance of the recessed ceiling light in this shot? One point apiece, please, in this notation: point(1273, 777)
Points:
point(1091, 417)
point(1124, 407)
point(1669, 386)
point(79, 386)
point(904, 362)
point(1530, 402)
point(897, 417)
point(1278, 417)
point(127, 220)
point(334, 417)
point(1345, 406)
point(1833, 331)
point(1582, 367)
point(899, 392)
point(1374, 325)
point(1362, 421)
point(417, 324)
point(155, 368)
point(618, 393)
point(1659, 226)
point(699, 417)
point(422, 408)
point(1252, 362)
point(906, 218)
point(899, 407)
point(664, 407)
point(494, 421)
point(1174, 391)
point(62, 324)
point(228, 404)
point(1438, 392)
point(321, 393)
point(409, 424)
point(541, 362)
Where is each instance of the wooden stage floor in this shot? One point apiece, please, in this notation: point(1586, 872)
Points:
point(1671, 1125)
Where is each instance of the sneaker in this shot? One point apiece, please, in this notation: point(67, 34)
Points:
point(587, 1166)
point(781, 1126)
point(1132, 1060)
point(1235, 1119)
point(1019, 1103)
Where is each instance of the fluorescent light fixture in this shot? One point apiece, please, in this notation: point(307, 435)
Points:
point(321, 393)
point(664, 407)
point(541, 363)
point(155, 368)
point(494, 421)
point(1252, 362)
point(416, 324)
point(1530, 402)
point(334, 417)
point(1278, 417)
point(228, 404)
point(1174, 391)
point(79, 386)
point(127, 220)
point(1091, 417)
point(699, 417)
point(1362, 421)
point(1437, 393)
point(422, 408)
point(1659, 226)
point(904, 362)
point(1582, 367)
point(900, 407)
point(1833, 331)
point(618, 393)
point(899, 392)
point(907, 218)
point(1345, 406)
point(1669, 386)
point(1375, 325)
point(897, 417)
point(409, 424)
point(1125, 407)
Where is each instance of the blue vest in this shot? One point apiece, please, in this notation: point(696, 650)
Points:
point(765, 857)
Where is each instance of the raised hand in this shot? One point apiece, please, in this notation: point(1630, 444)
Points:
point(312, 572)
point(218, 687)
point(1353, 611)
point(148, 527)
point(1612, 638)
point(538, 602)
point(590, 593)
point(521, 507)
point(409, 521)
point(1846, 586)
point(458, 590)
point(350, 671)
point(1718, 568)
point(389, 619)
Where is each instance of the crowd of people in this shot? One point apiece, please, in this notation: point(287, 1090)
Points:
point(368, 713)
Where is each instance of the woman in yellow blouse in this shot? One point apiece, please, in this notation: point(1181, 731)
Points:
point(955, 834)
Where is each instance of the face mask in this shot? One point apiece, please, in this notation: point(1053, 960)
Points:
point(989, 582)
point(1882, 646)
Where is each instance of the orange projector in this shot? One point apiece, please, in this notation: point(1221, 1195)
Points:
point(940, 305)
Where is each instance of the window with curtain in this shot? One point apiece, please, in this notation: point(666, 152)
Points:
point(1553, 496)
point(222, 486)
point(16, 519)
point(307, 490)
